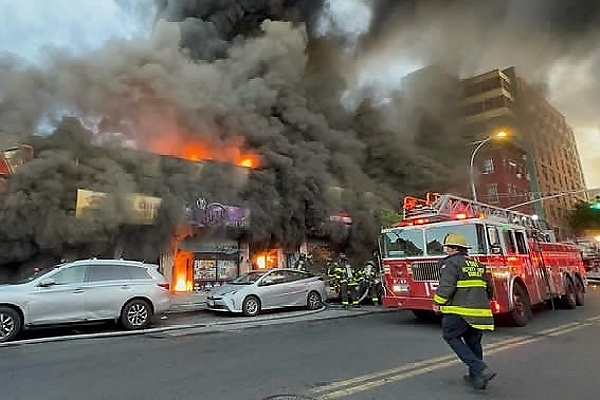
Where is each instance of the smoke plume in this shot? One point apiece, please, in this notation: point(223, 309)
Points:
point(289, 80)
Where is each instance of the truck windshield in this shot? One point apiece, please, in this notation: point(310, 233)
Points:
point(475, 235)
point(402, 243)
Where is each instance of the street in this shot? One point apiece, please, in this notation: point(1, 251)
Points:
point(377, 356)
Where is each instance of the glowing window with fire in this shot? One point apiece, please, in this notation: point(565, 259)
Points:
point(266, 259)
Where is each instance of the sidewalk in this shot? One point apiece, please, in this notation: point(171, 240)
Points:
point(188, 302)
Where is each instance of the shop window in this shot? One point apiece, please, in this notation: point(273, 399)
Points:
point(266, 259)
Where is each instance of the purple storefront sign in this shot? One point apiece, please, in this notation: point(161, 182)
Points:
point(204, 214)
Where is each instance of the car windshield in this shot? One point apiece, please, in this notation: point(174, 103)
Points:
point(249, 278)
point(34, 275)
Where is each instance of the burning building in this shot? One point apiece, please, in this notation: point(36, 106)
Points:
point(241, 83)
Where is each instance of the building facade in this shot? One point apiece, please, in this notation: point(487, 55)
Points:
point(539, 157)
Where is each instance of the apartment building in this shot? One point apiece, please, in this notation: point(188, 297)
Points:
point(538, 158)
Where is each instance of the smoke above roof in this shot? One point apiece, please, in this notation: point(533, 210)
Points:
point(289, 80)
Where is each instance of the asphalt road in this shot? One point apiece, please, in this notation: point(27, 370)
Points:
point(378, 356)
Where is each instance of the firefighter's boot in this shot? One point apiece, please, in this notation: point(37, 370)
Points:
point(481, 381)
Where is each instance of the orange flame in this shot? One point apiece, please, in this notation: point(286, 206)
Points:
point(195, 150)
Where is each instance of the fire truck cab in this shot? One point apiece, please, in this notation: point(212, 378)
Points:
point(526, 264)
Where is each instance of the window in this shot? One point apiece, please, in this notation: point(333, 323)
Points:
point(138, 273)
point(99, 273)
point(521, 243)
point(509, 242)
point(488, 165)
point(474, 234)
point(492, 193)
point(69, 276)
point(403, 243)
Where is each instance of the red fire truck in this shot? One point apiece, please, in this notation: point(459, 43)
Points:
point(526, 264)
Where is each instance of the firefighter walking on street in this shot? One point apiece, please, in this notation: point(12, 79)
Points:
point(463, 297)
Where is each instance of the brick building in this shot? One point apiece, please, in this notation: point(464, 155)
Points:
point(540, 156)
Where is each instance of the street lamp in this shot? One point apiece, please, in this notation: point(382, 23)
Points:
point(498, 135)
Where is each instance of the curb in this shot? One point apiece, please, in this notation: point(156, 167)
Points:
point(146, 331)
point(250, 322)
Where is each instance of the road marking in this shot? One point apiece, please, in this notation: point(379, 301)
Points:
point(344, 388)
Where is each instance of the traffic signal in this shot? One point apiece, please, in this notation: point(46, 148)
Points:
point(595, 203)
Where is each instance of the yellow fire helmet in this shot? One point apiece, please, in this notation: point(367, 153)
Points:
point(456, 239)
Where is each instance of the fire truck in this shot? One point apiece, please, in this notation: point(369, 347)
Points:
point(11, 159)
point(525, 262)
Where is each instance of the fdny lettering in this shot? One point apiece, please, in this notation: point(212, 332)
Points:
point(473, 269)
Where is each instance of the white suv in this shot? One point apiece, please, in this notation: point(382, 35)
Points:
point(130, 292)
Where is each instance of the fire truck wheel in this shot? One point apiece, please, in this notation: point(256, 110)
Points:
point(569, 299)
point(579, 292)
point(520, 315)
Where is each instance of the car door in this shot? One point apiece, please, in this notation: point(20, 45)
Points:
point(273, 291)
point(297, 287)
point(109, 288)
point(61, 302)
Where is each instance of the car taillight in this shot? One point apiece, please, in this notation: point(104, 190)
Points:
point(165, 286)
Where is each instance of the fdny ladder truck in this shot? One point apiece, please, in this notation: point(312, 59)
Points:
point(527, 265)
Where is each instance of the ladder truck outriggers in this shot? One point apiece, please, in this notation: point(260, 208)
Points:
point(526, 263)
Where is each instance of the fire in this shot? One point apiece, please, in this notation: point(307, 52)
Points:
point(266, 259)
point(196, 150)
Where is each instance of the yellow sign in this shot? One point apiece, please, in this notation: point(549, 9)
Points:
point(143, 209)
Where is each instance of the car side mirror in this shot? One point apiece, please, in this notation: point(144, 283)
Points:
point(47, 282)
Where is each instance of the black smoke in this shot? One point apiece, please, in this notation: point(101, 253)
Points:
point(257, 73)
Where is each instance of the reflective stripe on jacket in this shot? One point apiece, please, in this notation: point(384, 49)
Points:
point(465, 290)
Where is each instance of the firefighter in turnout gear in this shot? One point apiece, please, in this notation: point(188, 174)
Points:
point(346, 280)
point(463, 297)
point(369, 279)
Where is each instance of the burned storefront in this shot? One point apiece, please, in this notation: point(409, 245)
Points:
point(211, 249)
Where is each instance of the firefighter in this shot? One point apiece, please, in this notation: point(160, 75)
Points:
point(369, 277)
point(346, 280)
point(463, 297)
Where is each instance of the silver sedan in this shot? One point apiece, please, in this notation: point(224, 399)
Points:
point(268, 289)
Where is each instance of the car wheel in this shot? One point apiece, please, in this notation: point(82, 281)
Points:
point(251, 306)
point(11, 324)
point(314, 301)
point(137, 314)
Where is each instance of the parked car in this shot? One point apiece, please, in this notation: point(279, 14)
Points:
point(255, 291)
point(129, 292)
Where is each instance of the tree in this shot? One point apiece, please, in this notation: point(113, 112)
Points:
point(389, 218)
point(585, 217)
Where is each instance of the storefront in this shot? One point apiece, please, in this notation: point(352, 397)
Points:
point(212, 251)
point(212, 262)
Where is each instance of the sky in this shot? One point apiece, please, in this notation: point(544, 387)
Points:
point(29, 26)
